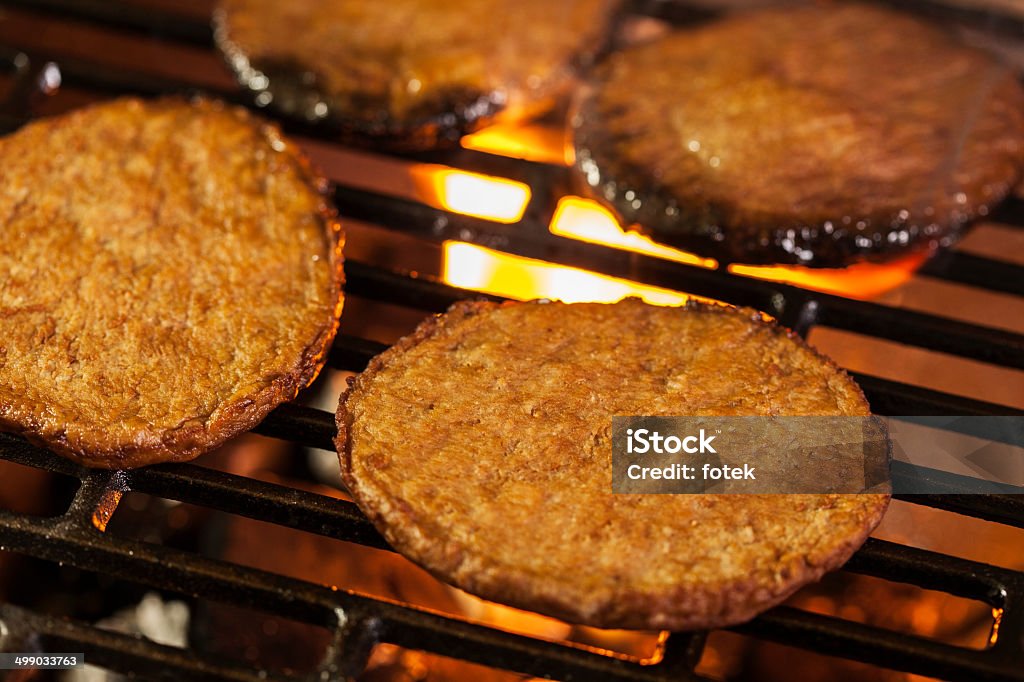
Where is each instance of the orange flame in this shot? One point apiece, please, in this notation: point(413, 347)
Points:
point(997, 620)
point(538, 143)
point(503, 200)
point(861, 280)
point(481, 196)
point(588, 221)
point(105, 509)
point(475, 267)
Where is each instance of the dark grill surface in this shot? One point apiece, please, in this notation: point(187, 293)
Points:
point(359, 623)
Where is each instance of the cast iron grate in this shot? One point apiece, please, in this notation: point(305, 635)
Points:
point(359, 623)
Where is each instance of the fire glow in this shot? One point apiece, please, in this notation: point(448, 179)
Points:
point(588, 221)
point(502, 200)
point(481, 196)
point(469, 266)
point(530, 142)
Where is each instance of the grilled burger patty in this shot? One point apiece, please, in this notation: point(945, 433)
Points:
point(412, 73)
point(171, 274)
point(816, 136)
point(480, 447)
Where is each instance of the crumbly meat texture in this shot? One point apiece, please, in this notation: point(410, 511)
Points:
point(817, 136)
point(172, 272)
point(409, 73)
point(480, 446)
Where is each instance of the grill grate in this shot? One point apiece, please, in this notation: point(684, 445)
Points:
point(359, 623)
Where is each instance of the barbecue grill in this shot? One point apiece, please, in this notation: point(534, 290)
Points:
point(180, 43)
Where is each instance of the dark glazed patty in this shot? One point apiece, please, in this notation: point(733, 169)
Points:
point(171, 273)
point(818, 136)
point(409, 74)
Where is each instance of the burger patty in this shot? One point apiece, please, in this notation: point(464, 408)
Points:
point(408, 73)
point(480, 447)
point(172, 273)
point(818, 136)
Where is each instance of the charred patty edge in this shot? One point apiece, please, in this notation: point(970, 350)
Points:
point(437, 123)
point(643, 204)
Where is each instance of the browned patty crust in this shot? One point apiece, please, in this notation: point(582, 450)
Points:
point(818, 136)
point(172, 272)
point(410, 73)
point(480, 446)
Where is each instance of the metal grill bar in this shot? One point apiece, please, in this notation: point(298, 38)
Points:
point(890, 649)
point(80, 544)
point(886, 397)
point(126, 17)
point(204, 578)
point(985, 273)
point(1008, 509)
point(123, 653)
point(892, 397)
point(534, 241)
